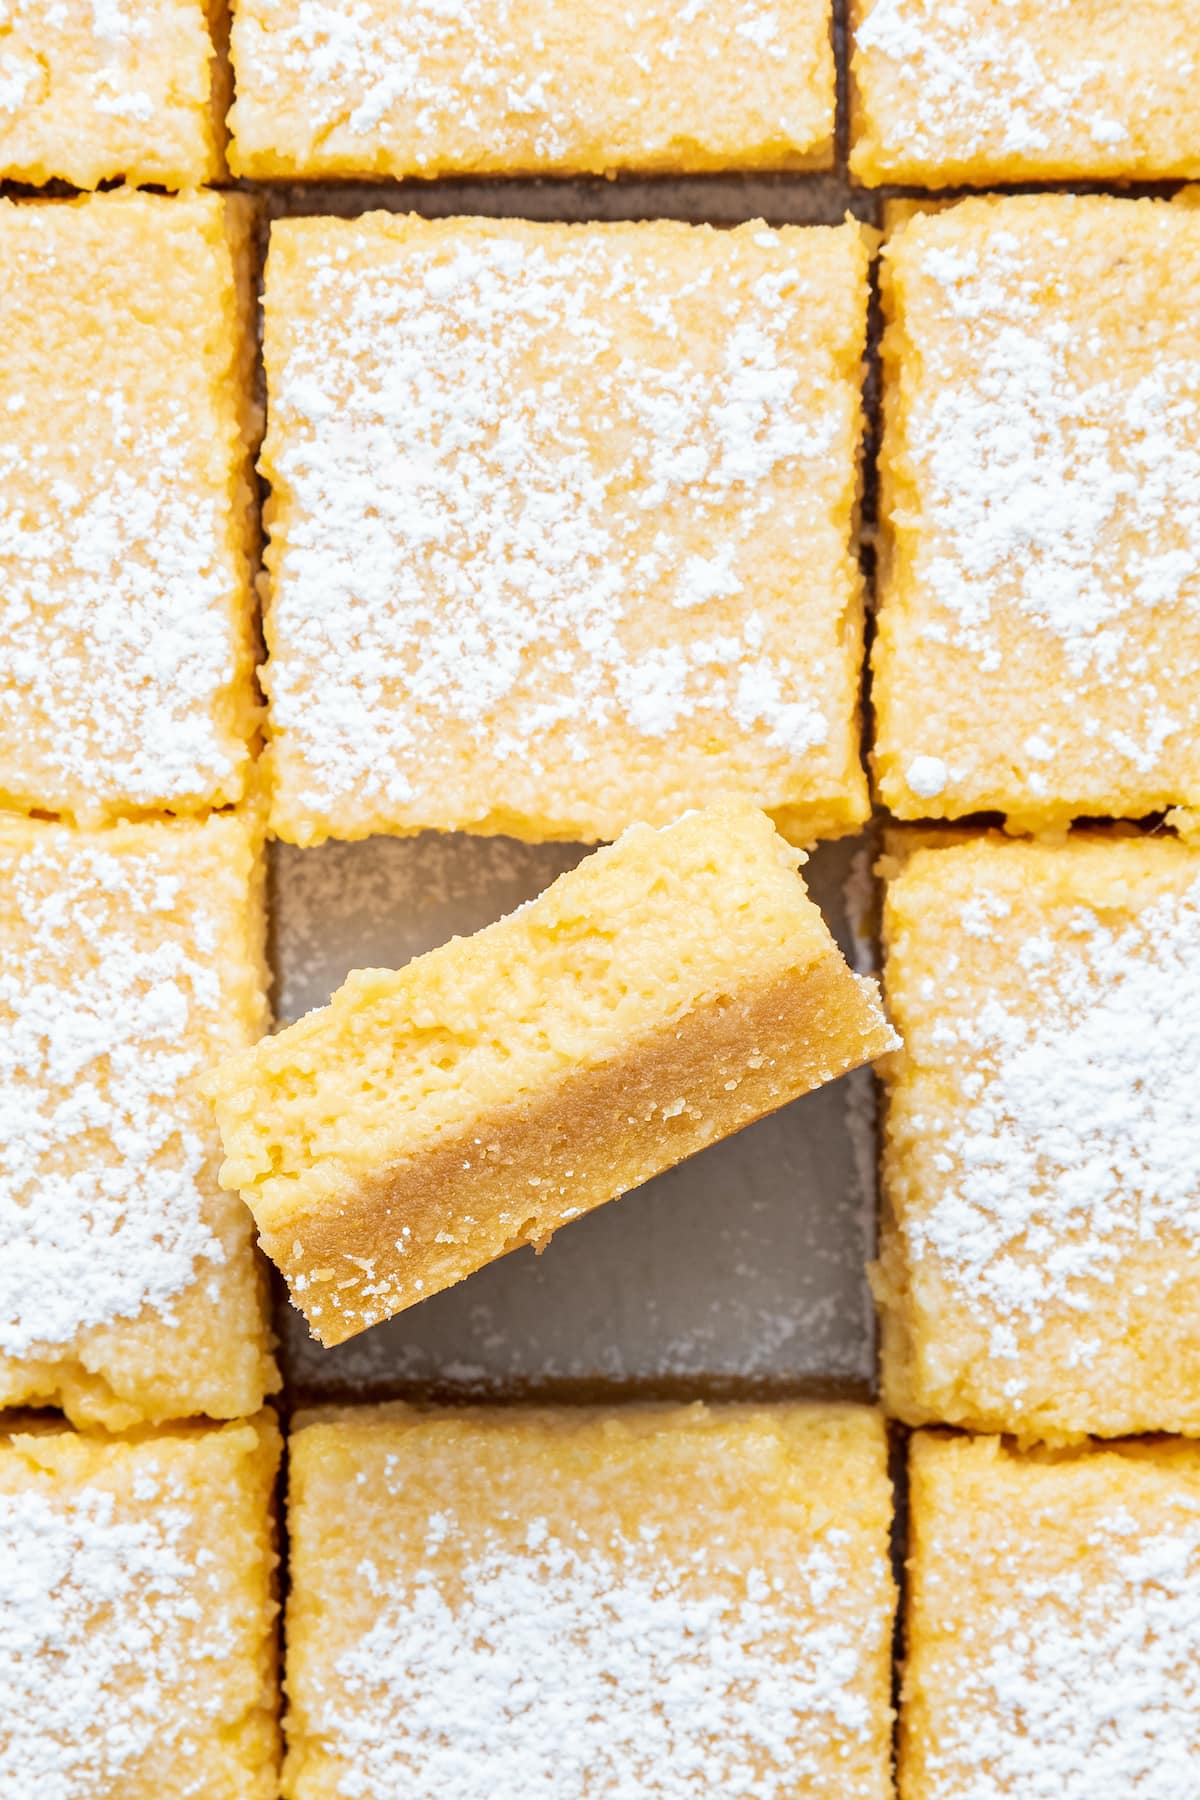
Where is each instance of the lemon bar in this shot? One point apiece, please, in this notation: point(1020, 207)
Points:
point(121, 90)
point(1028, 90)
point(1053, 1621)
point(661, 1601)
point(127, 515)
point(673, 987)
point(1041, 1241)
point(137, 1635)
point(130, 958)
point(385, 89)
point(1038, 651)
point(561, 525)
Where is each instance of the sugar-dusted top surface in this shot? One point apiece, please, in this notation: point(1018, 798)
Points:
point(1054, 1636)
point(125, 971)
point(97, 89)
point(560, 522)
point(985, 90)
point(87, 1672)
point(559, 1613)
point(133, 1616)
point(1043, 1165)
point(1042, 492)
point(124, 607)
point(524, 85)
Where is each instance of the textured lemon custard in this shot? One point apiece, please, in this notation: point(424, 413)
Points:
point(137, 1642)
point(130, 959)
point(989, 91)
point(1038, 650)
point(1053, 1622)
point(127, 89)
point(669, 1602)
point(1041, 1241)
point(126, 509)
point(561, 525)
point(521, 86)
point(669, 990)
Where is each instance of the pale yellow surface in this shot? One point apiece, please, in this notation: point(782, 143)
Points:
point(126, 90)
point(1019, 90)
point(127, 516)
point(561, 525)
point(1041, 1235)
point(130, 960)
point(663, 1601)
point(666, 992)
point(527, 86)
point(138, 1630)
point(1053, 1621)
point(1038, 650)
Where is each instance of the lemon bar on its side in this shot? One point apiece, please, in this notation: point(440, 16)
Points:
point(131, 958)
point(669, 990)
point(492, 87)
point(137, 1624)
point(976, 94)
point(661, 1601)
point(1040, 1249)
point(1038, 644)
point(1053, 1621)
point(128, 518)
point(561, 525)
point(133, 90)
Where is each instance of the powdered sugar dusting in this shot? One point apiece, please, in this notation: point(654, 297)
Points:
point(1085, 1683)
point(108, 994)
point(96, 90)
point(101, 1629)
point(602, 1666)
point(121, 587)
point(495, 83)
point(115, 619)
point(976, 80)
point(37, 41)
point(1058, 486)
point(1072, 1138)
point(475, 549)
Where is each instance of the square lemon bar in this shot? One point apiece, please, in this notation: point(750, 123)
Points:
point(385, 88)
point(1038, 651)
point(977, 92)
point(137, 1634)
point(1053, 1622)
point(130, 959)
point(561, 525)
point(127, 515)
point(653, 1601)
point(1041, 1240)
point(104, 90)
point(675, 986)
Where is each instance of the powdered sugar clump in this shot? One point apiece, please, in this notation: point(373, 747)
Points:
point(92, 1662)
point(555, 1667)
point(105, 998)
point(927, 776)
point(1076, 1138)
point(1085, 1683)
